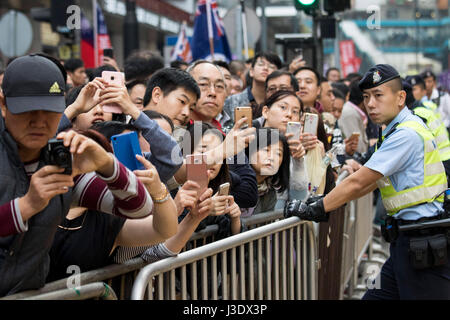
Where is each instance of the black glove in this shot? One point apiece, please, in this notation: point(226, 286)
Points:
point(311, 210)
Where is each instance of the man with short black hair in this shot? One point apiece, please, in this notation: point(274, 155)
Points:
point(309, 87)
point(262, 66)
point(76, 71)
point(333, 74)
point(172, 92)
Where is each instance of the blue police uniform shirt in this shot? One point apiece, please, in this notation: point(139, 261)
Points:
point(401, 158)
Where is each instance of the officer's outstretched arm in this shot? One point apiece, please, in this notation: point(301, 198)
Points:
point(353, 187)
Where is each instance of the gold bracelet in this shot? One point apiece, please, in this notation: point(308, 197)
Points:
point(164, 197)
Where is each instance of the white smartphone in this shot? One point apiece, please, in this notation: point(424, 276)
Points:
point(311, 123)
point(295, 128)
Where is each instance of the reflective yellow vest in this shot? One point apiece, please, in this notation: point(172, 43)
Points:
point(433, 107)
point(434, 182)
point(438, 130)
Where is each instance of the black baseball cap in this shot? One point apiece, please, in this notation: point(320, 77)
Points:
point(34, 82)
point(377, 75)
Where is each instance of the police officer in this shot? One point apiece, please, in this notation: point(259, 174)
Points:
point(439, 98)
point(409, 173)
point(414, 87)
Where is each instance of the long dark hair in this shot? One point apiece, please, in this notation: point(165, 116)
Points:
point(190, 141)
point(265, 137)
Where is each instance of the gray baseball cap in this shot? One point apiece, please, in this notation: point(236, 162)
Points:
point(34, 82)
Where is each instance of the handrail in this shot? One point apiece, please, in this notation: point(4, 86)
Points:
point(190, 256)
point(92, 290)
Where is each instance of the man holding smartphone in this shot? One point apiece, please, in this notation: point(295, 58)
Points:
point(35, 196)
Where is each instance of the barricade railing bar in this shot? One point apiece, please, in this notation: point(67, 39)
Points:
point(96, 290)
point(261, 263)
point(224, 264)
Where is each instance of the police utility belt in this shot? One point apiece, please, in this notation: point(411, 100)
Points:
point(429, 239)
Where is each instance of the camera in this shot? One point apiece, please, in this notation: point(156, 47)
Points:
point(55, 153)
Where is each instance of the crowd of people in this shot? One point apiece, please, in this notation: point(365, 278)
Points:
point(103, 212)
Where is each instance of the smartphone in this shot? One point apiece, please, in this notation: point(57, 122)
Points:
point(113, 77)
point(311, 123)
point(126, 147)
point(224, 189)
point(108, 52)
point(354, 136)
point(295, 128)
point(298, 53)
point(241, 112)
point(196, 170)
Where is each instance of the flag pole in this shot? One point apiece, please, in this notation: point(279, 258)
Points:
point(210, 28)
point(244, 28)
point(95, 31)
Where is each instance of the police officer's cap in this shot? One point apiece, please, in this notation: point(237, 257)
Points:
point(428, 73)
point(415, 80)
point(378, 75)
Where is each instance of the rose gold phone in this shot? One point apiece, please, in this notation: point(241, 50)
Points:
point(117, 78)
point(224, 189)
point(196, 170)
point(354, 136)
point(241, 112)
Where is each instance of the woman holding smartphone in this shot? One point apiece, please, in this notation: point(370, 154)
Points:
point(284, 111)
point(201, 137)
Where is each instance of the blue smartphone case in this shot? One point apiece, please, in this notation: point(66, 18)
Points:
point(126, 147)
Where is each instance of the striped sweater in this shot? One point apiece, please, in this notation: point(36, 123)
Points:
point(121, 194)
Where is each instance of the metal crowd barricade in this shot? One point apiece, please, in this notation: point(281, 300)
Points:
point(357, 243)
point(274, 261)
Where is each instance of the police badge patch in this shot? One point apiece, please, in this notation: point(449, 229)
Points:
point(376, 77)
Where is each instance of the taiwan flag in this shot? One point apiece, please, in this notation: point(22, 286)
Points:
point(87, 40)
point(209, 40)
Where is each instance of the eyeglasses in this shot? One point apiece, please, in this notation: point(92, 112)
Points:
point(206, 85)
point(273, 89)
point(262, 64)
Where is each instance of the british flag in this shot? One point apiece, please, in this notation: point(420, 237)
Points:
point(182, 49)
point(209, 40)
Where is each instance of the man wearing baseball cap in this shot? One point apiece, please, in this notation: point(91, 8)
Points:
point(407, 169)
point(36, 196)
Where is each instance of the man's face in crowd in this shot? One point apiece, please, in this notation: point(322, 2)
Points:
point(213, 92)
point(236, 86)
point(418, 92)
point(261, 70)
point(175, 104)
point(334, 75)
point(308, 86)
point(137, 95)
point(280, 83)
point(338, 105)
point(227, 76)
point(78, 76)
point(31, 130)
point(326, 96)
point(429, 84)
point(382, 103)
